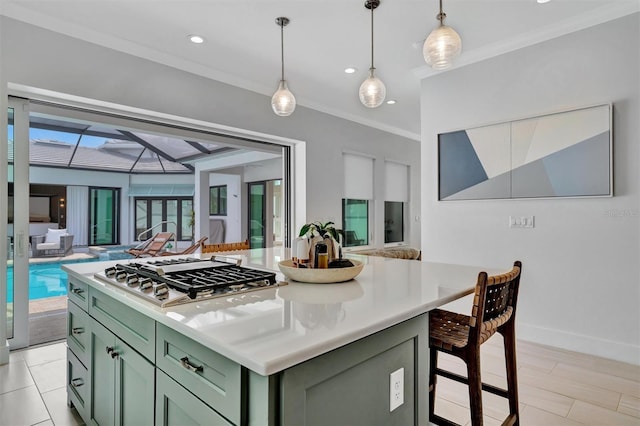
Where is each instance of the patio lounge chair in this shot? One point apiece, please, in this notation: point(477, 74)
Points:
point(152, 247)
point(189, 250)
point(57, 242)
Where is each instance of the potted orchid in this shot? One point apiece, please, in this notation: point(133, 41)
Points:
point(327, 229)
point(317, 232)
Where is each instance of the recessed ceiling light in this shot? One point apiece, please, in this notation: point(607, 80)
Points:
point(543, 1)
point(350, 70)
point(196, 39)
point(391, 102)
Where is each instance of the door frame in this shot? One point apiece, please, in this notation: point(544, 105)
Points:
point(20, 250)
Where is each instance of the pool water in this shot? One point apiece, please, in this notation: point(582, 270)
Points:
point(49, 280)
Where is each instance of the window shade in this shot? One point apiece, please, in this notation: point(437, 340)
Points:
point(358, 177)
point(396, 181)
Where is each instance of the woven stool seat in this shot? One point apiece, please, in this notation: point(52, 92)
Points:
point(494, 308)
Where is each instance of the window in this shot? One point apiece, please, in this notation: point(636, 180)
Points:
point(396, 195)
point(355, 222)
point(358, 191)
point(164, 214)
point(393, 222)
point(218, 200)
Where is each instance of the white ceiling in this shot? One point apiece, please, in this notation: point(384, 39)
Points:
point(325, 36)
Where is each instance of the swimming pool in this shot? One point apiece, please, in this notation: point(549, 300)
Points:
point(48, 279)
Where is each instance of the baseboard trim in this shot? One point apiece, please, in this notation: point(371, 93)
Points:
point(610, 349)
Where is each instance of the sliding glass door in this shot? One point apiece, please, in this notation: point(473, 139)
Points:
point(257, 213)
point(104, 204)
point(266, 217)
point(155, 215)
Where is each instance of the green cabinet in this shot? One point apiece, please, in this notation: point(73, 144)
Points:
point(77, 384)
point(177, 406)
point(130, 325)
point(78, 293)
point(350, 385)
point(210, 376)
point(77, 331)
point(108, 381)
point(124, 368)
point(121, 381)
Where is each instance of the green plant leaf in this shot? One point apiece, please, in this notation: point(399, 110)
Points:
point(304, 230)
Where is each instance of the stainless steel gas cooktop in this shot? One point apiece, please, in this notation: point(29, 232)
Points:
point(169, 282)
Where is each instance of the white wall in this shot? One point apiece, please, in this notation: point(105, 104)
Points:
point(79, 68)
point(233, 219)
point(263, 170)
point(580, 285)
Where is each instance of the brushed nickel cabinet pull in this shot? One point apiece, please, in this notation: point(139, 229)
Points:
point(189, 366)
point(77, 330)
point(76, 383)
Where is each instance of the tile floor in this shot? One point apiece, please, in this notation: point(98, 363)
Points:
point(32, 388)
point(556, 387)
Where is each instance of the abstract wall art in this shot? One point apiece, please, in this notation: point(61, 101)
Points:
point(567, 154)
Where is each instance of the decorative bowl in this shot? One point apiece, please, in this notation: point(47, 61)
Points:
point(320, 276)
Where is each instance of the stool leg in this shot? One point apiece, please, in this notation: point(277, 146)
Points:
point(433, 378)
point(475, 384)
point(509, 335)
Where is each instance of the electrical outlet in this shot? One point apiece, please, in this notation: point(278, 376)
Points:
point(396, 389)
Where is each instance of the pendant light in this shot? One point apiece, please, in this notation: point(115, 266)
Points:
point(283, 102)
point(442, 46)
point(372, 90)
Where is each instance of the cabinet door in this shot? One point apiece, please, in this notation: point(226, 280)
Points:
point(101, 375)
point(135, 386)
point(177, 406)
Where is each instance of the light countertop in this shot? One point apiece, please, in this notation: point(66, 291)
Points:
point(273, 329)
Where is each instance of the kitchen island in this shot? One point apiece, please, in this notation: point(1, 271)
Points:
point(298, 354)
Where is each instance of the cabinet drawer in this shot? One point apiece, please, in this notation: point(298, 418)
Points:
point(77, 331)
point(77, 386)
point(176, 406)
point(78, 292)
point(210, 376)
point(136, 329)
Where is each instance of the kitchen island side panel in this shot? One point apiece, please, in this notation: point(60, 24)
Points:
point(351, 385)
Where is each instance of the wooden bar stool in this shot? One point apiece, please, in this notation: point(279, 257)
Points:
point(494, 310)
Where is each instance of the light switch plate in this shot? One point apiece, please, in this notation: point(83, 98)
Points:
point(521, 221)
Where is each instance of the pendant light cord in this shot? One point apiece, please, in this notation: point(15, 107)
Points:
point(372, 67)
point(441, 15)
point(282, 49)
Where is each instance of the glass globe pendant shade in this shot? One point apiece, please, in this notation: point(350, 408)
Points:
point(283, 102)
point(441, 47)
point(372, 91)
